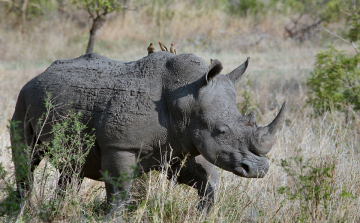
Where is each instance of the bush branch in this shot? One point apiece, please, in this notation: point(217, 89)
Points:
point(331, 33)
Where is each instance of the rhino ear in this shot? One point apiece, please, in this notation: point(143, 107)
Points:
point(236, 74)
point(214, 69)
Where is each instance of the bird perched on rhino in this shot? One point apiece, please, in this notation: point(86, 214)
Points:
point(172, 49)
point(151, 48)
point(162, 46)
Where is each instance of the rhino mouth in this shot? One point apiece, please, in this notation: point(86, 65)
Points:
point(239, 171)
point(244, 171)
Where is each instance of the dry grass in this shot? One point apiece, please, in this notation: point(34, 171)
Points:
point(278, 69)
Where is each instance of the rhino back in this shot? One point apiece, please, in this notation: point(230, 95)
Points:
point(118, 99)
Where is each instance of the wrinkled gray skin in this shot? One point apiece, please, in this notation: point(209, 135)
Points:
point(139, 109)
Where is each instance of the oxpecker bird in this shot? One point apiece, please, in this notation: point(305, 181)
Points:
point(172, 49)
point(150, 48)
point(162, 46)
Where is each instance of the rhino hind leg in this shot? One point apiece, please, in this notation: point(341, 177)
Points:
point(203, 176)
point(25, 155)
point(118, 168)
point(91, 169)
point(64, 181)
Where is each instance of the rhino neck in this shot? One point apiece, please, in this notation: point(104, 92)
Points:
point(181, 105)
point(179, 135)
point(181, 83)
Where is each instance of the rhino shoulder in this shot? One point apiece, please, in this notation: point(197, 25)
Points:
point(187, 66)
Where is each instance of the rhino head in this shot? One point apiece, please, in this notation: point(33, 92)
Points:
point(222, 135)
point(208, 117)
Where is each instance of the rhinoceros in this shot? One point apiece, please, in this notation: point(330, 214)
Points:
point(142, 108)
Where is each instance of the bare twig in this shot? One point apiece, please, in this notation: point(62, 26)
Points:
point(356, 49)
point(276, 212)
point(23, 15)
point(90, 14)
point(296, 21)
point(346, 41)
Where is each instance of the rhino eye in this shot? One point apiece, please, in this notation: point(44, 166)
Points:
point(223, 129)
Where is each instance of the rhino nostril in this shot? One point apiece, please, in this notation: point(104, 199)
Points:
point(245, 167)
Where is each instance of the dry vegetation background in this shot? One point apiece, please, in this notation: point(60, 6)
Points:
point(278, 70)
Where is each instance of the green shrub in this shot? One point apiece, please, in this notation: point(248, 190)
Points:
point(334, 82)
point(246, 7)
point(66, 152)
point(354, 22)
point(10, 205)
point(71, 144)
point(312, 185)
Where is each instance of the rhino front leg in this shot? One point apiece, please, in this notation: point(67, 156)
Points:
point(203, 176)
point(118, 169)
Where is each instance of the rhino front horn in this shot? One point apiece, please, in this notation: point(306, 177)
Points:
point(264, 137)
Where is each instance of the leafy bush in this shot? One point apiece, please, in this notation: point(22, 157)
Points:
point(66, 153)
point(312, 184)
point(354, 21)
point(246, 7)
point(334, 83)
point(10, 204)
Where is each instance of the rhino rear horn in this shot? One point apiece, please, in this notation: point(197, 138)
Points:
point(236, 74)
